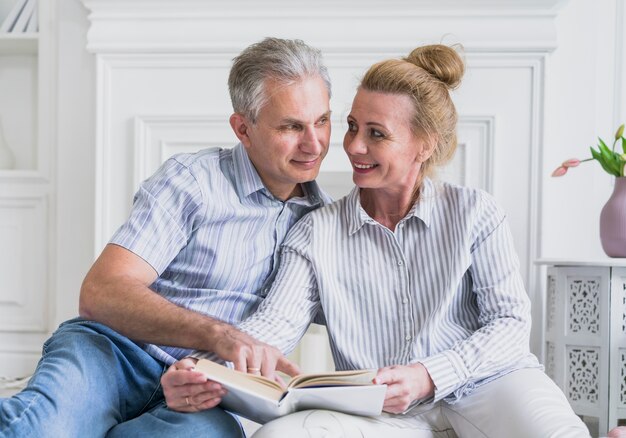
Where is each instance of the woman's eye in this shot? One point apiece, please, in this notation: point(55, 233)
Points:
point(351, 126)
point(376, 134)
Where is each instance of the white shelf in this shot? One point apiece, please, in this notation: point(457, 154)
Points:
point(608, 261)
point(19, 43)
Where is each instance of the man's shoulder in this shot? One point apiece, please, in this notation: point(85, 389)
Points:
point(204, 159)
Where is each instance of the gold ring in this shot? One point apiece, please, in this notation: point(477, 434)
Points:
point(187, 400)
point(254, 370)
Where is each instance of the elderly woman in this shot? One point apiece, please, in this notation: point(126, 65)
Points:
point(415, 278)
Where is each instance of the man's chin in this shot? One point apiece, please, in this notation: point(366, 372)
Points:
point(306, 176)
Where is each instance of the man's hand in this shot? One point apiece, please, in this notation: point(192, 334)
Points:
point(251, 356)
point(186, 390)
point(405, 384)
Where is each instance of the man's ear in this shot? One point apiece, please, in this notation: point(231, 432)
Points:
point(240, 125)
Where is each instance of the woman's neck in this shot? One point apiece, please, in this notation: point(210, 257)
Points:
point(386, 207)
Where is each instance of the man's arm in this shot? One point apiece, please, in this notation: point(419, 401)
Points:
point(116, 293)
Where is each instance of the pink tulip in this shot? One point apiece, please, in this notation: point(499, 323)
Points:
point(618, 432)
point(560, 171)
point(572, 162)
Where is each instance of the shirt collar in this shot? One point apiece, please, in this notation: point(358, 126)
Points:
point(248, 181)
point(422, 209)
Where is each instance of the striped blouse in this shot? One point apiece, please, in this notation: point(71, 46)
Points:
point(212, 231)
point(443, 289)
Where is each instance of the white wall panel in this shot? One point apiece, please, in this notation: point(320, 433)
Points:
point(23, 264)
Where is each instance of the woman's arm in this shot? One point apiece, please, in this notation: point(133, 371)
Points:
point(504, 311)
point(293, 301)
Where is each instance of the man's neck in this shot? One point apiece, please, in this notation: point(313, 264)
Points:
point(287, 193)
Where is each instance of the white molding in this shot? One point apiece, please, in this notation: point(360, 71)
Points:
point(156, 135)
point(142, 26)
point(619, 102)
point(28, 313)
point(121, 9)
point(19, 353)
point(102, 158)
point(484, 127)
point(23, 176)
point(536, 63)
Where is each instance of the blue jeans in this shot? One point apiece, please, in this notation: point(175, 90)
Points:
point(93, 382)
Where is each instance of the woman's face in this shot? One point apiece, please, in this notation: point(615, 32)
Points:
point(383, 150)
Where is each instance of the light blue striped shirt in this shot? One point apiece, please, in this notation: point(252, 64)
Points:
point(444, 289)
point(212, 231)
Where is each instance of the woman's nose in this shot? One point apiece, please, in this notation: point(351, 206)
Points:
point(354, 145)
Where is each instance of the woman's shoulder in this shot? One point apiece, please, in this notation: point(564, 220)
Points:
point(451, 191)
point(465, 200)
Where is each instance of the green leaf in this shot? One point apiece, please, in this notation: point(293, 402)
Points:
point(624, 144)
point(607, 167)
point(609, 158)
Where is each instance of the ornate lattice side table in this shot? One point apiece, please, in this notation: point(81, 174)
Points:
point(585, 336)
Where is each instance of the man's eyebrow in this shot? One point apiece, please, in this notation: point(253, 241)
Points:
point(290, 121)
point(326, 114)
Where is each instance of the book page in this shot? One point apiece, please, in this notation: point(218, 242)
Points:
point(337, 378)
point(231, 378)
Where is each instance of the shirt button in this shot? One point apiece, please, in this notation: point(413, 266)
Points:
point(407, 338)
point(400, 263)
point(405, 300)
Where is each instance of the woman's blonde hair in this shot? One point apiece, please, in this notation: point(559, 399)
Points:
point(426, 75)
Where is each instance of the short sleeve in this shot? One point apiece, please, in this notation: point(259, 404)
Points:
point(165, 212)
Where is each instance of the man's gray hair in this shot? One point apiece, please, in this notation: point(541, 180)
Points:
point(284, 61)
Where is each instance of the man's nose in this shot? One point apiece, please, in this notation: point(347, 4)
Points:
point(312, 141)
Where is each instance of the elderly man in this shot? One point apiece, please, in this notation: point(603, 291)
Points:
point(196, 254)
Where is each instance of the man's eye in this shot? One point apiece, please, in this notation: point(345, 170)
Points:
point(322, 121)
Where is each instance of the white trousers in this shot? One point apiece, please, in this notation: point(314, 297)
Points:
point(522, 404)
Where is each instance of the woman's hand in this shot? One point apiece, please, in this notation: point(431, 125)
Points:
point(405, 384)
point(186, 390)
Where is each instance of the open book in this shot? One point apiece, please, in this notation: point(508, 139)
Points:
point(260, 399)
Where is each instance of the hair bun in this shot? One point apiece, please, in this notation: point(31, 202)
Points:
point(442, 62)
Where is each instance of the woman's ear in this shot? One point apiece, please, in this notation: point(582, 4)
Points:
point(429, 143)
point(240, 125)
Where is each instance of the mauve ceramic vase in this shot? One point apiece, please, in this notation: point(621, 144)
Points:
point(613, 221)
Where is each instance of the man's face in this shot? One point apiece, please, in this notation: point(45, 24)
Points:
point(291, 135)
